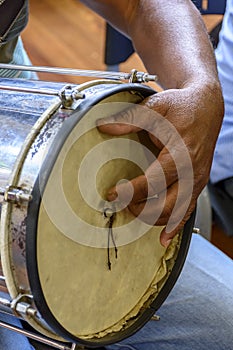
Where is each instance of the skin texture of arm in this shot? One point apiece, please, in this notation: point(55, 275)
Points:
point(171, 39)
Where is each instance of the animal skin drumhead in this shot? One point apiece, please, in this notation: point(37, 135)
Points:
point(96, 271)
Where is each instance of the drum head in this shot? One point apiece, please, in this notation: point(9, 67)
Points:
point(96, 277)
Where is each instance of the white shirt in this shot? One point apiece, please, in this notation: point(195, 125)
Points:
point(222, 166)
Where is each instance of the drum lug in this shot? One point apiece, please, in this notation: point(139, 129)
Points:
point(155, 318)
point(141, 77)
point(68, 95)
point(21, 305)
point(196, 230)
point(16, 195)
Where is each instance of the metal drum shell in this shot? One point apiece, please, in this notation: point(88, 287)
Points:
point(24, 279)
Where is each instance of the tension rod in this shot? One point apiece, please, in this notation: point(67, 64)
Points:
point(37, 337)
point(134, 76)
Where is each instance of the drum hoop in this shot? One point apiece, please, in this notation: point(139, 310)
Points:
point(31, 228)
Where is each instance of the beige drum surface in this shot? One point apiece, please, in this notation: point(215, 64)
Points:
point(85, 297)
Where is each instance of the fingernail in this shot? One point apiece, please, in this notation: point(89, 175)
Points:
point(112, 196)
point(104, 121)
point(100, 121)
point(167, 243)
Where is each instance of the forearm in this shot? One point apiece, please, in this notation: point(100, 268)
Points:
point(169, 36)
point(173, 42)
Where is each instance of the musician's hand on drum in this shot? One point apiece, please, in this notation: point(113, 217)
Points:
point(181, 125)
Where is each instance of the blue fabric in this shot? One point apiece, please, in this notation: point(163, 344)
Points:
point(198, 313)
point(213, 6)
point(222, 166)
point(10, 340)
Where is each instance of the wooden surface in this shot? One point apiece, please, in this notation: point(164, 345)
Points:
point(65, 33)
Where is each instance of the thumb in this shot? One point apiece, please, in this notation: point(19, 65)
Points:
point(121, 123)
point(145, 115)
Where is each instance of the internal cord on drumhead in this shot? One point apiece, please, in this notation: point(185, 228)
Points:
point(109, 213)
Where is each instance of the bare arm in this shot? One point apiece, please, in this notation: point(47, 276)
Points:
point(169, 36)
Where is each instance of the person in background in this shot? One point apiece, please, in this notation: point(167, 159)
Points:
point(171, 39)
point(221, 176)
point(13, 19)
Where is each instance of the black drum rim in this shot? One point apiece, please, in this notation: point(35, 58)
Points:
point(31, 233)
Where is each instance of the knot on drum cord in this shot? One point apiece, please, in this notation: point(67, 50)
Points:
point(110, 214)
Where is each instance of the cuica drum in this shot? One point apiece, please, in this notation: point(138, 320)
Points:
point(74, 266)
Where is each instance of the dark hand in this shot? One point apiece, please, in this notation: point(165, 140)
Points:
point(183, 124)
